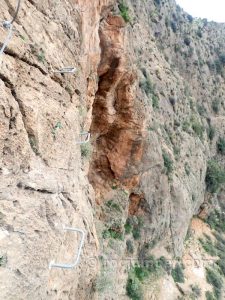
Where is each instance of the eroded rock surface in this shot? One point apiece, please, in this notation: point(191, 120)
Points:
point(151, 92)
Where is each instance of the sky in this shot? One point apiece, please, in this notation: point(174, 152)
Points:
point(213, 10)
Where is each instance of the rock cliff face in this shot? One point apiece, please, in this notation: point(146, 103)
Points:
point(150, 91)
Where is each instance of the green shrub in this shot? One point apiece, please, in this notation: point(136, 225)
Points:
point(201, 110)
point(167, 21)
point(178, 274)
point(199, 33)
point(215, 279)
point(117, 235)
point(147, 86)
point(137, 226)
point(128, 226)
point(187, 169)
point(221, 264)
point(219, 237)
point(69, 90)
point(114, 187)
point(130, 247)
point(190, 18)
point(141, 272)
point(155, 101)
point(3, 260)
point(222, 59)
point(149, 89)
point(172, 101)
point(177, 48)
point(221, 146)
point(136, 232)
point(115, 232)
point(157, 2)
point(187, 41)
point(209, 296)
point(196, 291)
point(216, 106)
point(22, 37)
point(211, 132)
point(41, 56)
point(164, 263)
point(220, 250)
point(208, 246)
point(168, 163)
point(86, 150)
point(198, 128)
point(176, 151)
point(173, 26)
point(153, 265)
point(33, 144)
point(134, 225)
point(144, 72)
point(215, 176)
point(113, 205)
point(56, 128)
point(124, 12)
point(218, 66)
point(216, 220)
point(186, 126)
point(133, 287)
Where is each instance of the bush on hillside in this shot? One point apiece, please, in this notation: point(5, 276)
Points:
point(215, 176)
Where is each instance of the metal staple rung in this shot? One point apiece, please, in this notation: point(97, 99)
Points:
point(77, 258)
point(66, 70)
point(16, 13)
point(9, 25)
point(88, 135)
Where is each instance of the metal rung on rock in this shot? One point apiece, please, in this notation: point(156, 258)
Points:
point(9, 25)
point(16, 13)
point(77, 258)
point(87, 136)
point(66, 70)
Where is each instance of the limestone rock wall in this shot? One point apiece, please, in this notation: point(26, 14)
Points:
point(145, 90)
point(43, 176)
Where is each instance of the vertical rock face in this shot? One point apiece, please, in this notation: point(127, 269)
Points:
point(173, 63)
point(43, 178)
point(150, 91)
point(117, 116)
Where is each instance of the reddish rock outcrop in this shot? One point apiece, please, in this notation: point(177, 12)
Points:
point(117, 122)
